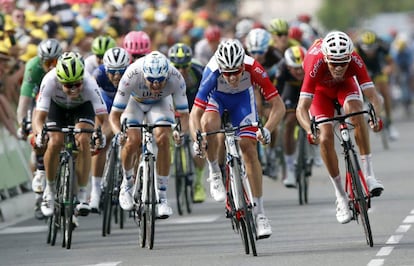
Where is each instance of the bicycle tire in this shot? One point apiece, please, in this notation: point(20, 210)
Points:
point(300, 168)
point(245, 218)
point(180, 192)
point(189, 191)
point(107, 192)
point(140, 213)
point(68, 203)
point(53, 221)
point(360, 201)
point(151, 204)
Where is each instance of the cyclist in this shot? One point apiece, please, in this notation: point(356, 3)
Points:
point(330, 67)
point(99, 46)
point(181, 56)
point(227, 84)
point(147, 91)
point(258, 45)
point(107, 75)
point(204, 48)
point(68, 96)
point(279, 28)
point(290, 77)
point(36, 68)
point(137, 44)
point(376, 55)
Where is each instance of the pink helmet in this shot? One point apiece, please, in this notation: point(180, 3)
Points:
point(137, 43)
point(212, 33)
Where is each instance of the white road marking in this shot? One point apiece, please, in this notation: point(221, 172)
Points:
point(403, 228)
point(23, 229)
point(110, 263)
point(385, 251)
point(394, 239)
point(376, 262)
point(193, 219)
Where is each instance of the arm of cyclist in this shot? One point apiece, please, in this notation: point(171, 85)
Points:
point(38, 121)
point(102, 122)
point(374, 98)
point(195, 126)
point(302, 115)
point(277, 112)
point(115, 124)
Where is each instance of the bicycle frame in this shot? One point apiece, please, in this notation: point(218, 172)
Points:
point(355, 184)
point(145, 193)
point(239, 202)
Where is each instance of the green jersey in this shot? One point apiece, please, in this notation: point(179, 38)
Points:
point(33, 75)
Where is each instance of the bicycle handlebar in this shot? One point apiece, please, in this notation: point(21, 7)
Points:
point(342, 118)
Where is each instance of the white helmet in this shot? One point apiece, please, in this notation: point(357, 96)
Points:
point(337, 47)
point(155, 65)
point(116, 58)
point(230, 54)
point(257, 41)
point(49, 49)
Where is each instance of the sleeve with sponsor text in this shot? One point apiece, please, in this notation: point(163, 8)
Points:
point(260, 78)
point(208, 84)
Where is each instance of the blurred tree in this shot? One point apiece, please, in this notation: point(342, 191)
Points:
point(342, 15)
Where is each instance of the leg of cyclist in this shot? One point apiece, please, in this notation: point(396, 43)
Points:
point(83, 167)
point(382, 84)
point(362, 140)
point(211, 121)
point(289, 147)
point(98, 164)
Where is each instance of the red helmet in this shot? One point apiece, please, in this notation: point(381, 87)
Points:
point(137, 43)
point(295, 33)
point(212, 33)
point(306, 18)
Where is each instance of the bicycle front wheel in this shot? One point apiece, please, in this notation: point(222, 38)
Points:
point(243, 211)
point(68, 202)
point(179, 179)
point(107, 192)
point(151, 203)
point(360, 199)
point(54, 222)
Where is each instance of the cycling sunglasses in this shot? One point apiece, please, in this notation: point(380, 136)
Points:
point(119, 71)
point(72, 86)
point(232, 72)
point(153, 80)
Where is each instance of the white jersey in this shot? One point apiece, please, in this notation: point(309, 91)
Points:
point(51, 90)
point(133, 85)
point(91, 63)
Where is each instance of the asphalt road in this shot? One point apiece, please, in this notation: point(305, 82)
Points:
point(302, 235)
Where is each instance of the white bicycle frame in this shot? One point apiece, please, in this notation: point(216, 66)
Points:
point(231, 142)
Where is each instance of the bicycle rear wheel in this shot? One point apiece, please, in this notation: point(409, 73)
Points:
point(360, 199)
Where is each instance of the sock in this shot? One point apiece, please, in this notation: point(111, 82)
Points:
point(128, 174)
point(162, 186)
point(290, 161)
point(338, 186)
point(96, 183)
point(199, 175)
point(39, 162)
point(213, 166)
point(258, 208)
point(366, 161)
point(82, 193)
point(51, 186)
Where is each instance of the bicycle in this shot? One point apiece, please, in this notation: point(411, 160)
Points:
point(184, 173)
point(110, 188)
point(239, 200)
point(355, 184)
point(145, 192)
point(303, 166)
point(62, 217)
